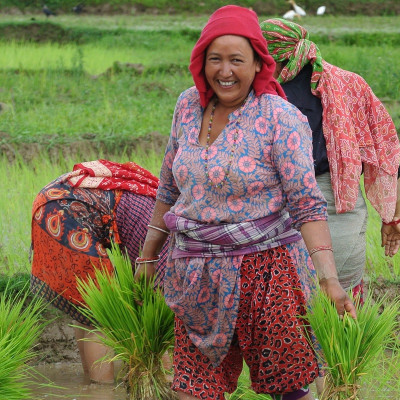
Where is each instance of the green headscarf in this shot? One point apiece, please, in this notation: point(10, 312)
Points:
point(287, 40)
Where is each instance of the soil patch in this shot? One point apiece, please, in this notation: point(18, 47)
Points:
point(86, 148)
point(57, 342)
point(36, 32)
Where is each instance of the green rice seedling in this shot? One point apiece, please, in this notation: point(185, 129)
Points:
point(135, 322)
point(14, 284)
point(244, 390)
point(351, 347)
point(21, 324)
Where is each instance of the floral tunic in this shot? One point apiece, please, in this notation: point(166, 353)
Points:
point(271, 170)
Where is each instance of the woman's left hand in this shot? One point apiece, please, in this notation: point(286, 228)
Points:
point(337, 294)
point(390, 239)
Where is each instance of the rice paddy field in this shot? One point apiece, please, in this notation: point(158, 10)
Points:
point(76, 88)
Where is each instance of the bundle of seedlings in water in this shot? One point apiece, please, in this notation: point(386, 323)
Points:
point(135, 323)
point(352, 348)
point(21, 324)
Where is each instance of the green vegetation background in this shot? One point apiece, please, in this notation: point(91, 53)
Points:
point(80, 87)
point(343, 7)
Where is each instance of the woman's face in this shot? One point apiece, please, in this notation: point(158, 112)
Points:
point(230, 69)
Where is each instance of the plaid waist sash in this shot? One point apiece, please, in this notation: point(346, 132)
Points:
point(202, 279)
point(196, 239)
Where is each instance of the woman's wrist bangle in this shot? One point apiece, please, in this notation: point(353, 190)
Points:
point(158, 229)
point(394, 222)
point(143, 260)
point(320, 248)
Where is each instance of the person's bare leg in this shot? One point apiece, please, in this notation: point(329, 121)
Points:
point(99, 371)
point(319, 383)
point(166, 360)
point(80, 334)
point(185, 396)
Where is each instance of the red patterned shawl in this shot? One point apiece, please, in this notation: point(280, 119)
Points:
point(109, 175)
point(359, 132)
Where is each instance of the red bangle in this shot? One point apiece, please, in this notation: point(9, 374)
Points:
point(320, 248)
point(394, 222)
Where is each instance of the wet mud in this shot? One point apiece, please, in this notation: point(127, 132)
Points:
point(72, 384)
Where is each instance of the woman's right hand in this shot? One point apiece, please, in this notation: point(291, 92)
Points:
point(337, 294)
point(147, 269)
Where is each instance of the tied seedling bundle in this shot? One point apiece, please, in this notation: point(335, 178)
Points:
point(135, 323)
point(352, 348)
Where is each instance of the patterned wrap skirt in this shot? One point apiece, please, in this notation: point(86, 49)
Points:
point(71, 230)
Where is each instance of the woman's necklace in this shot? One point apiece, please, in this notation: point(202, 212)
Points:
point(234, 146)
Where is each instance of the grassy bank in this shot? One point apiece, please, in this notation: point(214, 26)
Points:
point(69, 81)
point(342, 7)
point(79, 88)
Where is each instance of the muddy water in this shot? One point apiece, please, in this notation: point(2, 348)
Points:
point(75, 386)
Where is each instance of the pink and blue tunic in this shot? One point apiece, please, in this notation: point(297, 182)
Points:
point(271, 173)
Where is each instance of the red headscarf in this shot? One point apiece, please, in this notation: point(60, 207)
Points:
point(240, 21)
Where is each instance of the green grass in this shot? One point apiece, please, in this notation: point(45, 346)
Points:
point(69, 106)
point(58, 93)
point(61, 92)
point(339, 7)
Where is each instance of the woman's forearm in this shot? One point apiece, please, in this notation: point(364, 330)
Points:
point(318, 240)
point(156, 238)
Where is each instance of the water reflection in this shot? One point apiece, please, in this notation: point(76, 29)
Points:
point(75, 386)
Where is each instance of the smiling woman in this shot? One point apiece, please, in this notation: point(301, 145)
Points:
point(236, 268)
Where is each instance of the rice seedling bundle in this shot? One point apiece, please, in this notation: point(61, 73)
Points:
point(136, 323)
point(20, 327)
point(352, 348)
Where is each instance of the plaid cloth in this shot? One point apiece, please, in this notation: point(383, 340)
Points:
point(133, 214)
point(197, 239)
